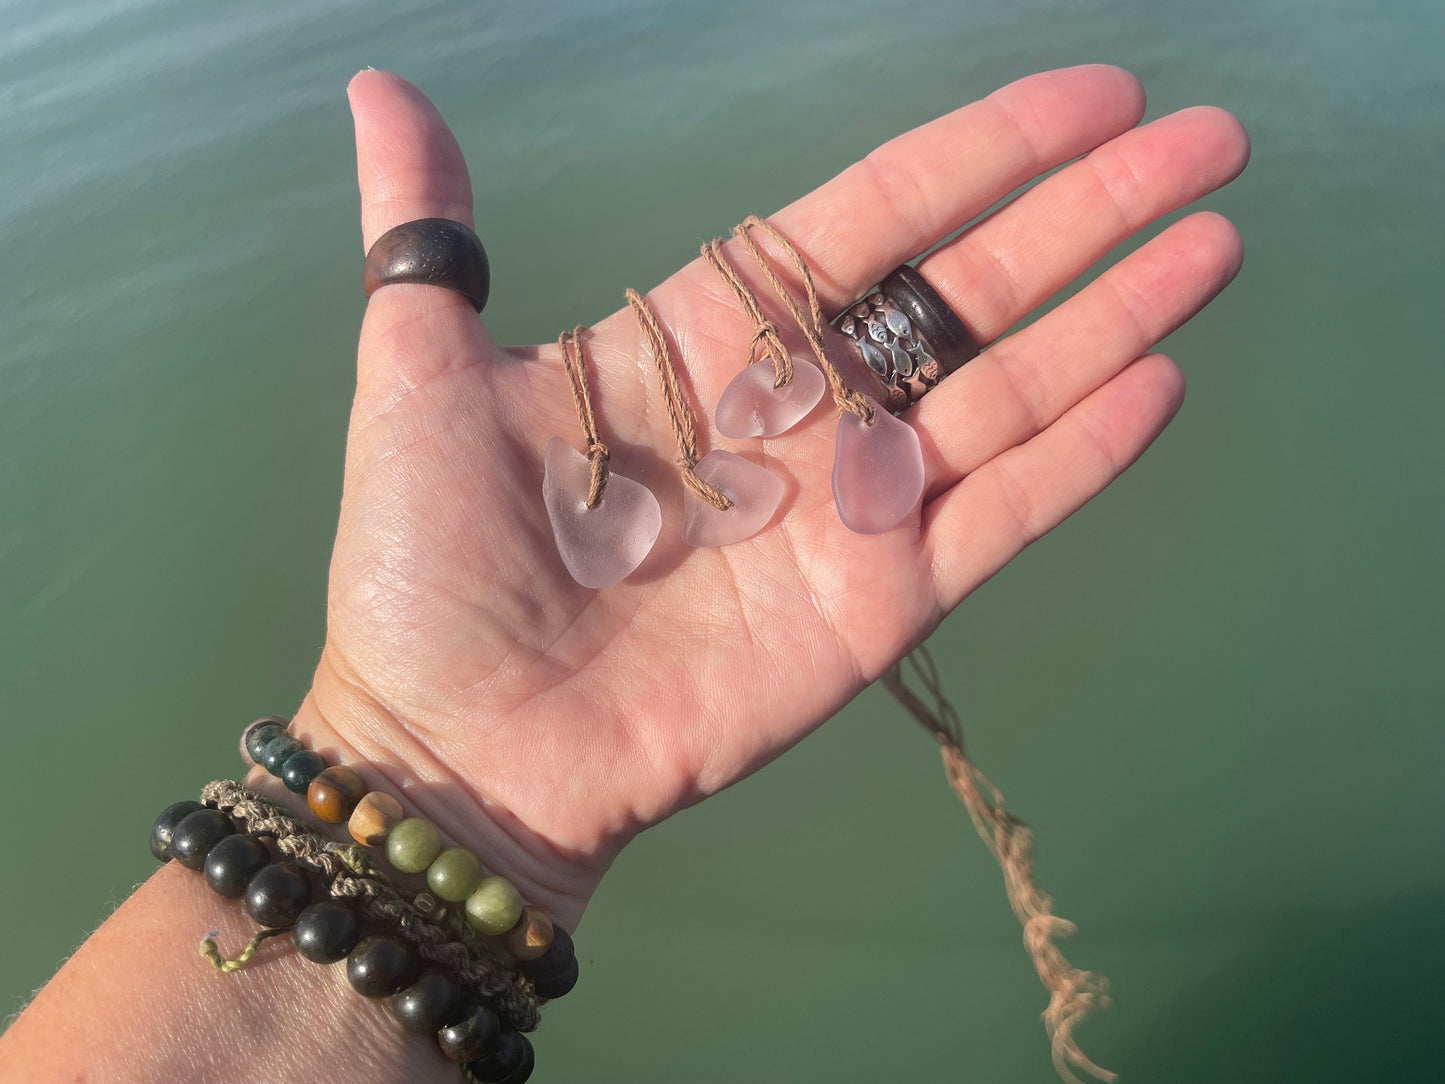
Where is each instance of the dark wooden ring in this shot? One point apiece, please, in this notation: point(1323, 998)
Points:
point(434, 252)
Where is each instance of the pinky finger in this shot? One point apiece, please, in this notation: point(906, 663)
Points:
point(980, 524)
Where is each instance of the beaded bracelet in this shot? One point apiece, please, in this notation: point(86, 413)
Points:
point(492, 905)
point(350, 877)
point(278, 895)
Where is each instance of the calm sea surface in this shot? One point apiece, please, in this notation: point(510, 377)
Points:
point(1216, 693)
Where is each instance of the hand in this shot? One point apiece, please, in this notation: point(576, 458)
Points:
point(544, 725)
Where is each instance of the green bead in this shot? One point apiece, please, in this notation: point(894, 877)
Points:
point(259, 733)
point(279, 750)
point(412, 845)
point(495, 906)
point(455, 874)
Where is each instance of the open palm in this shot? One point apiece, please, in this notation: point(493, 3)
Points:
point(545, 724)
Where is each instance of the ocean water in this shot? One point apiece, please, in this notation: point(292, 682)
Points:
point(1215, 694)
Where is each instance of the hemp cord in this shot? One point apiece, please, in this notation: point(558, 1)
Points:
point(1073, 993)
point(765, 332)
point(570, 343)
point(212, 952)
point(811, 326)
point(349, 874)
point(678, 412)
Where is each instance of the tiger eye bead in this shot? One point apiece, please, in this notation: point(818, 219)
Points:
point(373, 818)
point(454, 874)
point(333, 794)
point(299, 769)
point(413, 845)
point(531, 936)
point(495, 906)
point(470, 1037)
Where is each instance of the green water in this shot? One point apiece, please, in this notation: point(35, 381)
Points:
point(1215, 693)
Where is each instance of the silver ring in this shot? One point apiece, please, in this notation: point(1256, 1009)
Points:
point(907, 335)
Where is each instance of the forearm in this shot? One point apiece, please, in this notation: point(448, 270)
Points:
point(137, 1002)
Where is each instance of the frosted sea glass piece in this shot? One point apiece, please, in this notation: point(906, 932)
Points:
point(877, 472)
point(600, 546)
point(754, 491)
point(751, 407)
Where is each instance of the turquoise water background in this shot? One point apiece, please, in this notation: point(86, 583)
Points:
point(1216, 693)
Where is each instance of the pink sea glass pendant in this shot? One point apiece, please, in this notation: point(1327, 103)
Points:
point(754, 491)
point(600, 546)
point(751, 407)
point(877, 472)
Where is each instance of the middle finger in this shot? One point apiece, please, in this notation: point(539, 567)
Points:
point(1008, 264)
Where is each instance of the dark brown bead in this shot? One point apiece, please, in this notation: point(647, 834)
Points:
point(559, 955)
point(333, 794)
point(470, 1037)
point(196, 834)
point(277, 894)
point(554, 973)
point(523, 1072)
point(380, 966)
point(434, 252)
point(510, 1059)
point(432, 1001)
point(165, 827)
point(326, 931)
point(232, 862)
point(557, 983)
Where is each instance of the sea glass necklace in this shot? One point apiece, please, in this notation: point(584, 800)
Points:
point(728, 498)
point(604, 524)
point(877, 459)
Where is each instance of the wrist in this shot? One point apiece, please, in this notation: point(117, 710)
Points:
point(282, 1018)
point(347, 725)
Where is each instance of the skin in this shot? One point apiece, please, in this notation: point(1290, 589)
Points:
point(544, 725)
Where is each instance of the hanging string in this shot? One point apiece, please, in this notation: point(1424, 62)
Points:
point(765, 332)
point(678, 412)
point(570, 343)
point(1073, 993)
point(811, 325)
point(212, 952)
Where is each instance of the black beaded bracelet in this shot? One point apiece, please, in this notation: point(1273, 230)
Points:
point(278, 895)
